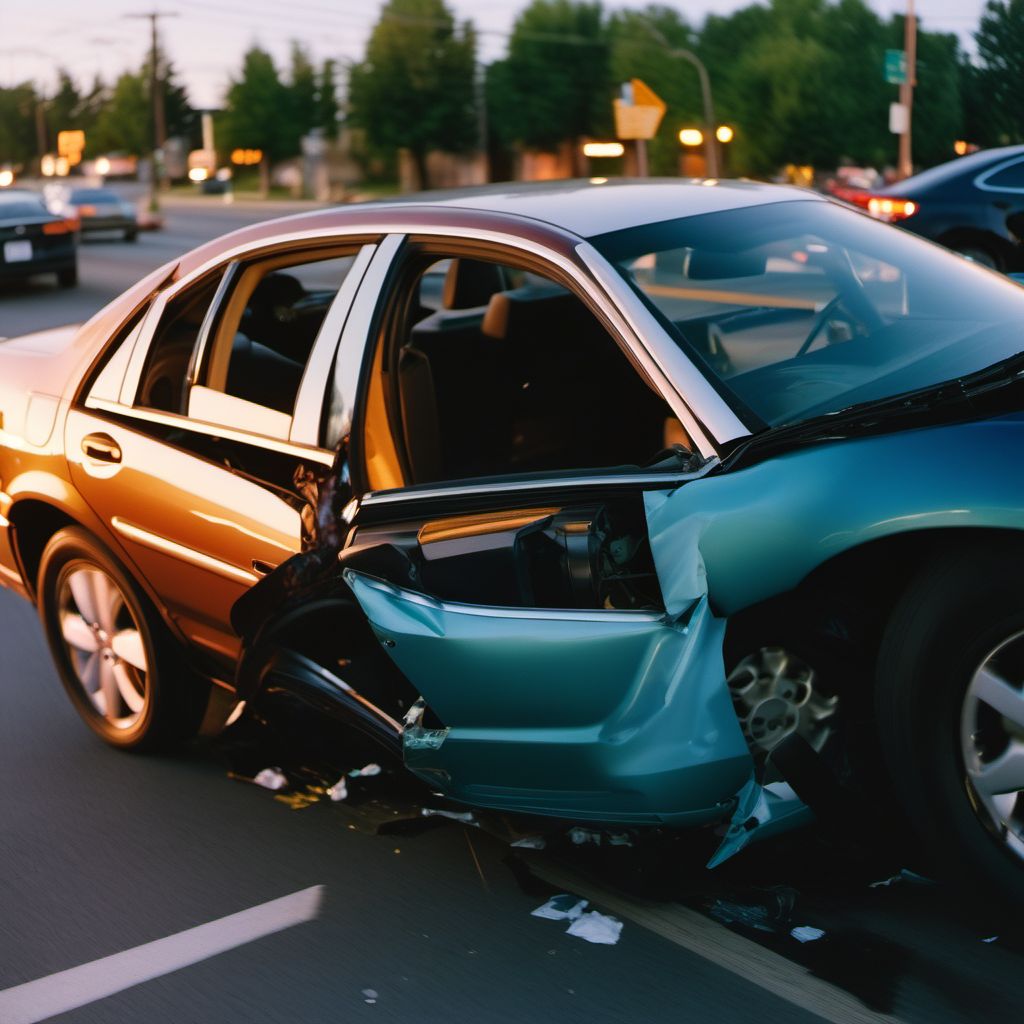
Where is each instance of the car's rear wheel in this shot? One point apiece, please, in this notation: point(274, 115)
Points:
point(950, 714)
point(131, 235)
point(114, 656)
point(979, 254)
point(68, 277)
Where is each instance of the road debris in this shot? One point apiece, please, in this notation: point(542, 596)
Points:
point(562, 907)
point(466, 817)
point(366, 772)
point(595, 927)
point(991, 938)
point(805, 933)
point(579, 836)
point(271, 778)
point(905, 875)
point(339, 791)
point(531, 843)
point(370, 996)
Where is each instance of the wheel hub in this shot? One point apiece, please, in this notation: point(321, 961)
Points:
point(775, 694)
point(992, 742)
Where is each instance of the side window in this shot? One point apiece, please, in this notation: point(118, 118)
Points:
point(268, 324)
point(1010, 178)
point(486, 369)
point(162, 385)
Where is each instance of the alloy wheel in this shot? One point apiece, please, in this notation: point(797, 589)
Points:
point(992, 742)
point(105, 647)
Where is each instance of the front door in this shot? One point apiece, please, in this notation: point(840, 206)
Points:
point(512, 452)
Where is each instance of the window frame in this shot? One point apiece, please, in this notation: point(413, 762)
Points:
point(981, 181)
point(302, 439)
point(517, 252)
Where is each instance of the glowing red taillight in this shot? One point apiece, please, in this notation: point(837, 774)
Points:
point(890, 209)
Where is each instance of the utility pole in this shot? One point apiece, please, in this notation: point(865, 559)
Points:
point(158, 176)
point(906, 162)
point(710, 141)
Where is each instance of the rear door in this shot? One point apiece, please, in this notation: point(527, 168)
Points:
point(198, 442)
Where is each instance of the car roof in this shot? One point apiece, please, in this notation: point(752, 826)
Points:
point(594, 206)
point(953, 170)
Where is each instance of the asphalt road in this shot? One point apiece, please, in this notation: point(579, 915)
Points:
point(102, 852)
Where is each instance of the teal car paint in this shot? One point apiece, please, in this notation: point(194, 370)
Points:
point(762, 811)
point(759, 531)
point(641, 731)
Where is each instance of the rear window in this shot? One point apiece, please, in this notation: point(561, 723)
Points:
point(94, 195)
point(1007, 177)
point(12, 207)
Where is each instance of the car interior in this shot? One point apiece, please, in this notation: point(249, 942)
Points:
point(263, 338)
point(490, 369)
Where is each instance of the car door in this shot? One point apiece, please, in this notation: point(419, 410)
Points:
point(527, 607)
point(202, 471)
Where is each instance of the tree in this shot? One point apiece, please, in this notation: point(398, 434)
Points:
point(125, 120)
point(327, 99)
point(64, 108)
point(641, 47)
point(554, 85)
point(258, 110)
point(415, 88)
point(302, 97)
point(17, 123)
point(1000, 41)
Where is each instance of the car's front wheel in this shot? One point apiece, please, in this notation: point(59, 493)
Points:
point(950, 713)
point(115, 659)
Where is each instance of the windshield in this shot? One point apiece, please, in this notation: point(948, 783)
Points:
point(802, 308)
point(94, 195)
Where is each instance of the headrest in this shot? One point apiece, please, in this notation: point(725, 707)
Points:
point(522, 311)
point(470, 284)
point(712, 265)
point(495, 322)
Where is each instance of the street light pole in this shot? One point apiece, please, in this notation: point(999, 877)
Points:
point(906, 162)
point(710, 142)
point(159, 116)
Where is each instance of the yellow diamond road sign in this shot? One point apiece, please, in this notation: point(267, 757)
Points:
point(639, 114)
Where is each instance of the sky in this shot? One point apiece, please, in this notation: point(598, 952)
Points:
point(206, 38)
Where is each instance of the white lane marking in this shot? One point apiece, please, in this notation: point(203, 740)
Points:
point(57, 993)
point(716, 943)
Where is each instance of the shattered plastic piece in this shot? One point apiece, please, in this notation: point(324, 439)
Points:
point(905, 875)
point(579, 836)
point(619, 839)
point(531, 842)
point(761, 812)
point(370, 996)
point(991, 938)
point(562, 907)
point(805, 933)
point(339, 791)
point(271, 778)
point(365, 772)
point(464, 816)
point(595, 927)
point(741, 913)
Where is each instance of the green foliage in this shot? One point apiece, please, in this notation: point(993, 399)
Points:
point(257, 114)
point(554, 84)
point(125, 123)
point(327, 99)
point(639, 50)
point(415, 87)
point(17, 123)
point(996, 89)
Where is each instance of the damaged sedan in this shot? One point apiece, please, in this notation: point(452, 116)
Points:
point(627, 504)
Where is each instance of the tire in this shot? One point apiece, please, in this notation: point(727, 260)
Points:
point(118, 663)
point(980, 254)
point(131, 235)
point(951, 620)
point(68, 277)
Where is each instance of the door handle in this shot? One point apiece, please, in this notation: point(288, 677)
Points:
point(101, 447)
point(262, 568)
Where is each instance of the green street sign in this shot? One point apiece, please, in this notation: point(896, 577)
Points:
point(896, 67)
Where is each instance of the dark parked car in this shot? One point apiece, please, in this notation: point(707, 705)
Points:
point(636, 504)
point(974, 204)
point(99, 209)
point(35, 241)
